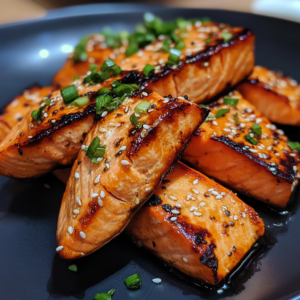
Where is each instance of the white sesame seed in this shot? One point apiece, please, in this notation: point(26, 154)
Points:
point(70, 229)
point(156, 280)
point(258, 120)
point(215, 193)
point(249, 110)
point(78, 201)
point(244, 215)
point(123, 148)
point(210, 190)
point(97, 179)
point(272, 169)
point(173, 219)
point(223, 193)
point(251, 134)
point(295, 169)
point(45, 115)
point(102, 194)
point(293, 154)
point(188, 197)
point(150, 110)
point(175, 211)
point(180, 98)
point(82, 234)
point(277, 154)
point(269, 126)
point(196, 191)
point(104, 114)
point(137, 115)
point(185, 259)
point(280, 131)
point(100, 202)
point(195, 181)
point(215, 123)
point(166, 100)
point(77, 175)
point(111, 124)
point(273, 127)
point(269, 147)
point(253, 150)
point(242, 125)
point(126, 109)
point(147, 189)
point(197, 213)
point(103, 130)
point(206, 64)
point(145, 94)
point(219, 197)
point(192, 208)
point(146, 126)
point(76, 211)
point(94, 195)
point(226, 130)
point(30, 136)
point(83, 147)
point(125, 162)
point(59, 248)
point(202, 204)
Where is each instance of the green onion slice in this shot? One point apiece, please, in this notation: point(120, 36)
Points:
point(166, 45)
point(226, 36)
point(251, 140)
point(174, 56)
point(69, 93)
point(75, 78)
point(256, 129)
point(148, 69)
point(133, 282)
point(80, 53)
point(142, 107)
point(180, 45)
point(221, 112)
point(104, 296)
point(231, 101)
point(93, 67)
point(203, 105)
point(80, 102)
point(208, 40)
point(104, 91)
point(236, 119)
point(294, 145)
point(134, 121)
point(95, 150)
point(73, 268)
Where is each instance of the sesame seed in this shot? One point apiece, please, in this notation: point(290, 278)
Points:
point(100, 202)
point(180, 98)
point(94, 195)
point(76, 211)
point(147, 189)
point(226, 130)
point(293, 154)
point(210, 190)
point(197, 213)
point(219, 197)
point(145, 94)
point(192, 208)
point(175, 211)
point(156, 280)
point(196, 191)
point(125, 162)
point(70, 229)
point(78, 201)
point(242, 125)
point(223, 193)
point(166, 100)
point(295, 169)
point(215, 193)
point(206, 64)
point(137, 115)
point(82, 234)
point(59, 248)
point(123, 148)
point(273, 127)
point(244, 215)
point(83, 147)
point(174, 198)
point(280, 131)
point(202, 204)
point(188, 197)
point(258, 120)
point(97, 179)
point(30, 136)
point(185, 259)
point(235, 217)
point(146, 126)
point(195, 181)
point(215, 123)
point(126, 109)
point(102, 194)
point(45, 115)
point(104, 114)
point(111, 124)
point(253, 150)
point(77, 175)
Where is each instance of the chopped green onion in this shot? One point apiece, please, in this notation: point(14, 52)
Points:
point(251, 140)
point(133, 282)
point(256, 129)
point(148, 69)
point(182, 24)
point(104, 91)
point(73, 268)
point(133, 47)
point(80, 53)
point(134, 121)
point(142, 107)
point(180, 45)
point(75, 78)
point(175, 37)
point(123, 89)
point(36, 114)
point(208, 40)
point(205, 20)
point(46, 101)
point(221, 112)
point(69, 93)
point(107, 65)
point(294, 145)
point(203, 105)
point(82, 101)
point(166, 45)
point(105, 296)
point(231, 101)
point(226, 36)
point(93, 67)
point(236, 118)
point(101, 102)
point(174, 56)
point(95, 150)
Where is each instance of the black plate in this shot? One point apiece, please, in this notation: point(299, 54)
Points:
point(29, 267)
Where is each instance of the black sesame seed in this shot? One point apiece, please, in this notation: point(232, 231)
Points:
point(212, 217)
point(54, 113)
point(231, 223)
point(141, 96)
point(206, 195)
point(227, 213)
point(225, 225)
point(153, 105)
point(154, 245)
point(79, 163)
point(233, 248)
point(167, 207)
point(229, 253)
point(186, 97)
point(170, 96)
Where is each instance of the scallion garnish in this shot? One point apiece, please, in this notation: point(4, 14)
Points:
point(251, 140)
point(294, 145)
point(133, 47)
point(134, 121)
point(104, 91)
point(236, 119)
point(226, 36)
point(221, 112)
point(142, 107)
point(208, 40)
point(166, 45)
point(182, 24)
point(80, 102)
point(73, 268)
point(80, 53)
point(230, 101)
point(256, 129)
point(104, 296)
point(180, 45)
point(133, 282)
point(95, 150)
point(93, 67)
point(75, 78)
point(148, 69)
point(69, 93)
point(37, 114)
point(174, 56)
point(203, 105)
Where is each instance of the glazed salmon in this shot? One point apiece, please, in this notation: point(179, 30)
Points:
point(102, 196)
point(196, 225)
point(275, 96)
point(242, 149)
point(20, 106)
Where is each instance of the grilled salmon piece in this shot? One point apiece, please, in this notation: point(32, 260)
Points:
point(227, 148)
point(275, 96)
point(19, 107)
point(101, 198)
point(196, 225)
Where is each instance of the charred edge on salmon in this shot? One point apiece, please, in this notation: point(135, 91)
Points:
point(288, 162)
point(153, 201)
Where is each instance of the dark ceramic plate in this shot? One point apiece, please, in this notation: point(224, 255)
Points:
point(29, 267)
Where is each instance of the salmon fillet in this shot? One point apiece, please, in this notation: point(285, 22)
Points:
point(263, 167)
point(275, 96)
point(101, 198)
point(19, 107)
point(196, 225)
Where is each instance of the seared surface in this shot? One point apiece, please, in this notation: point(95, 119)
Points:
point(267, 171)
point(101, 198)
point(275, 96)
point(196, 225)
